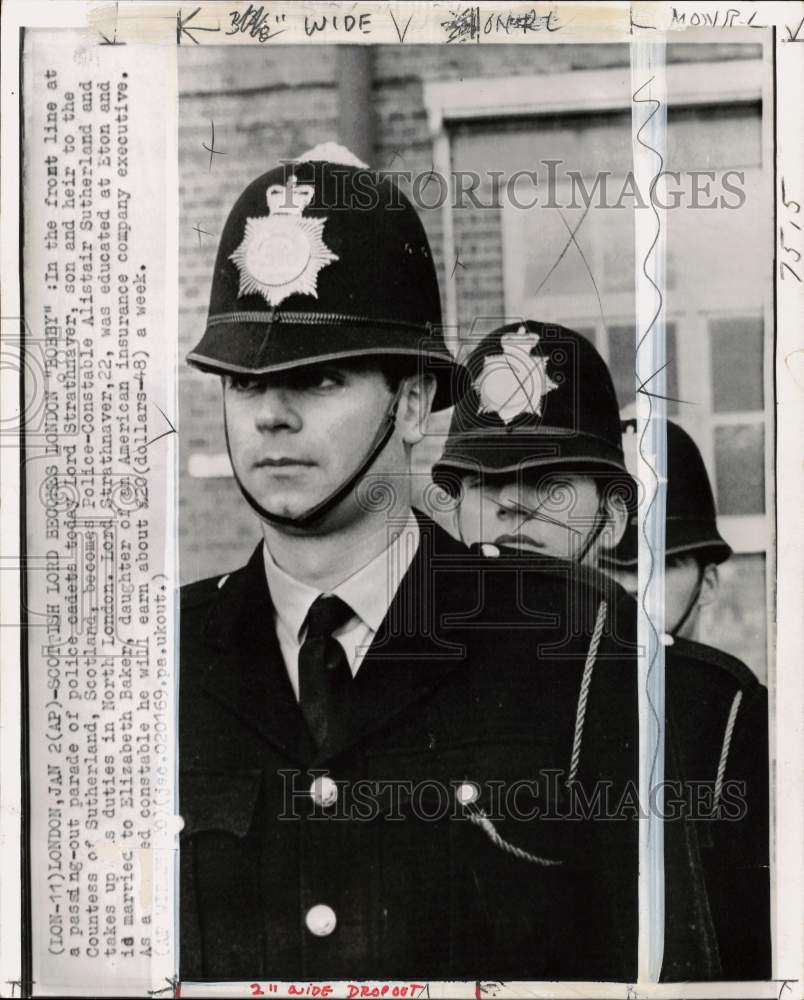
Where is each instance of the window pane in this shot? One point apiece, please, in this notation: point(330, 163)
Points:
point(736, 364)
point(622, 350)
point(739, 469)
point(736, 621)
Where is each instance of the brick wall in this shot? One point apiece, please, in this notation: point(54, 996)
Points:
point(267, 104)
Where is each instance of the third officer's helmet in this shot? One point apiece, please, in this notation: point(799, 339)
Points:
point(690, 507)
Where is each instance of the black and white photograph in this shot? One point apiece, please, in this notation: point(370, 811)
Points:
point(406, 470)
point(530, 240)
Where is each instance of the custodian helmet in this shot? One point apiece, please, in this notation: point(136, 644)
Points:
point(541, 398)
point(322, 258)
point(690, 507)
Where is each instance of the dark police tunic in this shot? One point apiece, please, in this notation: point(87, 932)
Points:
point(475, 680)
point(472, 680)
point(718, 725)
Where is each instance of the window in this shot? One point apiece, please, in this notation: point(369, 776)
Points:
point(569, 259)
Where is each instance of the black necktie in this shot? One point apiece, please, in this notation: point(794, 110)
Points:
point(324, 674)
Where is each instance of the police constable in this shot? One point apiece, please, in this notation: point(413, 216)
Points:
point(371, 726)
point(534, 459)
point(534, 449)
point(694, 548)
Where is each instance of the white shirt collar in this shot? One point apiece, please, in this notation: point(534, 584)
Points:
point(369, 591)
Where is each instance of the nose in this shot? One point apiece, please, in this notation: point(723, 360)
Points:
point(505, 500)
point(275, 411)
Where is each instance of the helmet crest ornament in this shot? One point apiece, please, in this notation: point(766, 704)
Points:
point(515, 381)
point(282, 253)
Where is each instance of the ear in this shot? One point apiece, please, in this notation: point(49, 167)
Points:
point(617, 520)
point(415, 402)
point(710, 585)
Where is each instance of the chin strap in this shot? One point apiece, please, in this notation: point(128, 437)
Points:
point(597, 529)
point(381, 439)
point(690, 604)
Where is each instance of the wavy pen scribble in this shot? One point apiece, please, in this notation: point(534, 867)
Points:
point(651, 666)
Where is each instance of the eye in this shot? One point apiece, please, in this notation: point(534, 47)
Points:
point(315, 379)
point(245, 383)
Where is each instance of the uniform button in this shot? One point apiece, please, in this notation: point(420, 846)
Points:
point(320, 920)
point(666, 639)
point(324, 791)
point(489, 550)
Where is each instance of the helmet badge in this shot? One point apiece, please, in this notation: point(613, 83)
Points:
point(515, 381)
point(282, 253)
point(630, 450)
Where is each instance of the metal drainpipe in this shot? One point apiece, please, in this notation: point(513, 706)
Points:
point(354, 76)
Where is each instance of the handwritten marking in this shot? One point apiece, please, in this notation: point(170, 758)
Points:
point(635, 98)
point(182, 30)
point(797, 370)
point(794, 208)
point(114, 39)
point(585, 263)
point(354, 991)
point(429, 175)
point(173, 986)
point(254, 20)
point(463, 25)
point(635, 24)
point(200, 231)
point(396, 156)
point(563, 253)
point(211, 148)
point(347, 24)
point(788, 249)
point(400, 35)
point(787, 203)
point(706, 20)
point(657, 395)
point(171, 430)
point(791, 36)
point(458, 263)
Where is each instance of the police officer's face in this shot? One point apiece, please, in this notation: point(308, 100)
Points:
point(687, 588)
point(553, 514)
point(296, 436)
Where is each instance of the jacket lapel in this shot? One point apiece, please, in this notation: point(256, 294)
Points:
point(245, 670)
point(410, 655)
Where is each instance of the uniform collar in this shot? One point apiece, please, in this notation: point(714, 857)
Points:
point(369, 591)
point(408, 657)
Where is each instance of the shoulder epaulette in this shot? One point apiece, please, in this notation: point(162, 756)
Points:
point(201, 592)
point(700, 652)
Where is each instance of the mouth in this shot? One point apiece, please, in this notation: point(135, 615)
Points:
point(519, 542)
point(282, 463)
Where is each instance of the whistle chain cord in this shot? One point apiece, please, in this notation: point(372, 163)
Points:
point(583, 695)
point(724, 751)
point(481, 820)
